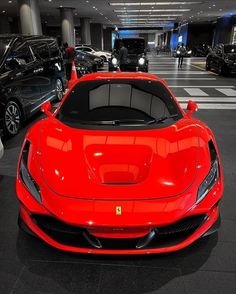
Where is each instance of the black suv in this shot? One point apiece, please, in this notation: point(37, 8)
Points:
point(31, 72)
point(136, 59)
point(222, 59)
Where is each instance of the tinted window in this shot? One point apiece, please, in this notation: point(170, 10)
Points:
point(4, 43)
point(96, 102)
point(54, 49)
point(94, 48)
point(19, 55)
point(86, 49)
point(40, 50)
point(134, 46)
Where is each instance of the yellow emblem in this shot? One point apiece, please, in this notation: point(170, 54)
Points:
point(118, 210)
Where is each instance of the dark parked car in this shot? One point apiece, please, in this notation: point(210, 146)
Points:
point(83, 67)
point(222, 59)
point(201, 50)
point(31, 72)
point(96, 62)
point(176, 52)
point(91, 57)
point(136, 59)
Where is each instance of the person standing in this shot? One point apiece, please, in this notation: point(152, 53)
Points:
point(182, 52)
point(123, 56)
point(69, 56)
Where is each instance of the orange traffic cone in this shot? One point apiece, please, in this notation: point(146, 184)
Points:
point(73, 77)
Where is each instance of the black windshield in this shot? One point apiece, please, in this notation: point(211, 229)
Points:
point(230, 49)
point(4, 44)
point(134, 46)
point(119, 104)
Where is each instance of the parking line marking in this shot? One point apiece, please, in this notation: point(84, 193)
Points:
point(196, 97)
point(179, 72)
point(208, 99)
point(178, 86)
point(208, 72)
point(227, 92)
point(195, 92)
point(192, 79)
point(211, 106)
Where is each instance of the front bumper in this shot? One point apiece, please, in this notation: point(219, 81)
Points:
point(230, 68)
point(157, 226)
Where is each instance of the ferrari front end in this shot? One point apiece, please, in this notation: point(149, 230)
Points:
point(108, 189)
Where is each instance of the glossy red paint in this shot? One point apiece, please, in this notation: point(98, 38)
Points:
point(81, 175)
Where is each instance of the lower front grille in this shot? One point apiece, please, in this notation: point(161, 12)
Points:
point(165, 236)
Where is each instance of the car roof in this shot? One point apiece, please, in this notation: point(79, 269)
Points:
point(84, 45)
point(120, 75)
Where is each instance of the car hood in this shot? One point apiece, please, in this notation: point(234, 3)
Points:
point(106, 52)
point(112, 165)
point(84, 62)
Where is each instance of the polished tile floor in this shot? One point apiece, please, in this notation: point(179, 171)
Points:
point(27, 265)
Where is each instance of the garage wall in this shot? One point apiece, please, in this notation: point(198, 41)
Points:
point(223, 30)
point(200, 34)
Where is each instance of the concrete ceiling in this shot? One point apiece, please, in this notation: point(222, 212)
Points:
point(128, 13)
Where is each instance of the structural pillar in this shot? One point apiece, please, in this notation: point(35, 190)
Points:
point(107, 38)
point(97, 35)
point(67, 26)
point(4, 25)
point(85, 30)
point(30, 17)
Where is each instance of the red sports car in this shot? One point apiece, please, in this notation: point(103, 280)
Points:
point(119, 168)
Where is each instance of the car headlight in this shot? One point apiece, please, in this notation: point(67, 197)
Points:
point(190, 51)
point(141, 61)
point(114, 61)
point(209, 181)
point(178, 52)
point(26, 177)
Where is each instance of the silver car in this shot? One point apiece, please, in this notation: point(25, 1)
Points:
point(1, 148)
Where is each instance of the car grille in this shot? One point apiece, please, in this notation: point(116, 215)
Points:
point(165, 236)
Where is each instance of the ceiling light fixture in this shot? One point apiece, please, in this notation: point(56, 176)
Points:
point(150, 10)
point(151, 3)
point(149, 19)
point(143, 15)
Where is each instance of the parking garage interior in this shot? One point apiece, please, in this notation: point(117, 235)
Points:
point(204, 27)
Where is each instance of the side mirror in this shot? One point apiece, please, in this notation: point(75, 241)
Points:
point(191, 107)
point(46, 108)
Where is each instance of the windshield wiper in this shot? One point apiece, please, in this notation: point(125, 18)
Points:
point(127, 122)
point(162, 119)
